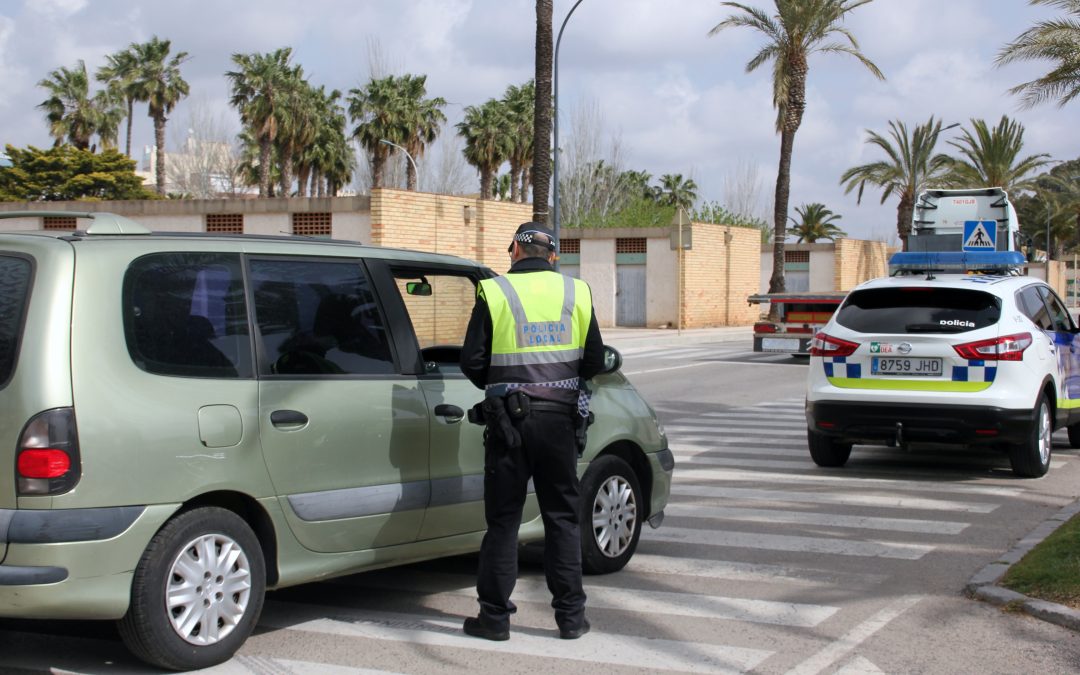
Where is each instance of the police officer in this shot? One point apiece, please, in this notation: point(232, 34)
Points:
point(531, 339)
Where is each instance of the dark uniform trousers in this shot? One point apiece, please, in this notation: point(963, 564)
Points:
point(548, 454)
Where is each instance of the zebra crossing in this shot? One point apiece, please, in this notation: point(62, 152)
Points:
point(695, 598)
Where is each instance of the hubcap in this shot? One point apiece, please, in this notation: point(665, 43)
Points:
point(208, 589)
point(614, 516)
point(1045, 433)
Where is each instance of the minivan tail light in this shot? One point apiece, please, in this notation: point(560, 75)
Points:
point(1004, 348)
point(824, 344)
point(47, 459)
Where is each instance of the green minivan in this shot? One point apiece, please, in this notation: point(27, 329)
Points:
point(191, 420)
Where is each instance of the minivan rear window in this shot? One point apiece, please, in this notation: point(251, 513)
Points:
point(918, 309)
point(185, 315)
point(15, 275)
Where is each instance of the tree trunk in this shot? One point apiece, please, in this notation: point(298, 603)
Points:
point(264, 166)
point(904, 213)
point(159, 141)
point(410, 175)
point(286, 172)
point(541, 171)
point(783, 190)
point(302, 178)
point(377, 161)
point(130, 110)
point(515, 173)
point(526, 180)
point(485, 183)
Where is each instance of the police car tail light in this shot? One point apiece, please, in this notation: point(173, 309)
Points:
point(827, 345)
point(1004, 348)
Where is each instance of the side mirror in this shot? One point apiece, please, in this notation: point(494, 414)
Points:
point(612, 360)
point(418, 288)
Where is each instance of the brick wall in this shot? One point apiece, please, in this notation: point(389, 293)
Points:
point(464, 226)
point(859, 260)
point(719, 272)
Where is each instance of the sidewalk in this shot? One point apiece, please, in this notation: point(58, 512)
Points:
point(625, 338)
point(983, 586)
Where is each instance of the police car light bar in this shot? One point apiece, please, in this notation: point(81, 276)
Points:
point(914, 262)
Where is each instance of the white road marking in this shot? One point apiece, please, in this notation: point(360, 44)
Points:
point(666, 566)
point(813, 518)
point(701, 364)
point(860, 666)
point(674, 429)
point(261, 665)
point(784, 542)
point(804, 464)
point(853, 638)
point(710, 492)
point(596, 647)
point(735, 475)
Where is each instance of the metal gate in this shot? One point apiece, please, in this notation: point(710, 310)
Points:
point(630, 295)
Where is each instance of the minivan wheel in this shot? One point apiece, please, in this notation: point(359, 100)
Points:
point(1031, 458)
point(197, 591)
point(610, 515)
point(825, 451)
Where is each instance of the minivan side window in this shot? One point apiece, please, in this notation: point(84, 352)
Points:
point(318, 317)
point(15, 274)
point(185, 315)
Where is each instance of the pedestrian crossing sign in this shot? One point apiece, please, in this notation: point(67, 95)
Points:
point(980, 235)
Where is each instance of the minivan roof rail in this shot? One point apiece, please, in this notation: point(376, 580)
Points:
point(104, 222)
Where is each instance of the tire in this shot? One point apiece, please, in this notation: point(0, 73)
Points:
point(157, 629)
point(825, 451)
point(611, 509)
point(1031, 458)
point(1074, 435)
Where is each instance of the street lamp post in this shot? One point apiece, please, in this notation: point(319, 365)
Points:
point(411, 160)
point(555, 117)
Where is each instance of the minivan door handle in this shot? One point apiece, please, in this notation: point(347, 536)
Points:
point(288, 418)
point(451, 413)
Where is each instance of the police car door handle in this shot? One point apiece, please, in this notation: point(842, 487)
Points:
point(451, 413)
point(288, 419)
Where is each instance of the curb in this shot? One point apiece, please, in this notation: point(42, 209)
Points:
point(983, 586)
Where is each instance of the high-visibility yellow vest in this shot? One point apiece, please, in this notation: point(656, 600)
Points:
point(539, 321)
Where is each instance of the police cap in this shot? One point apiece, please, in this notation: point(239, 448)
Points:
point(534, 233)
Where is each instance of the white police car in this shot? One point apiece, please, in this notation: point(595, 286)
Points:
point(987, 359)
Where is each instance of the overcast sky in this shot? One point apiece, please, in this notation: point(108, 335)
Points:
point(677, 100)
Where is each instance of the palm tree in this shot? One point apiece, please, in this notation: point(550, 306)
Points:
point(677, 191)
point(380, 113)
point(424, 118)
point(816, 222)
point(990, 157)
point(911, 167)
point(119, 76)
point(1057, 41)
point(800, 28)
point(157, 82)
point(73, 115)
point(487, 133)
point(325, 154)
point(521, 109)
point(257, 88)
point(541, 164)
point(297, 124)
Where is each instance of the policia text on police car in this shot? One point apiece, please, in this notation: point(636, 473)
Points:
point(531, 344)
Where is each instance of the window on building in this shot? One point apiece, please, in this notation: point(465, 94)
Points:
point(59, 222)
point(630, 245)
point(312, 224)
point(570, 246)
point(225, 223)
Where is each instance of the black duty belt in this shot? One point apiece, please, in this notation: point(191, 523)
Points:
point(551, 406)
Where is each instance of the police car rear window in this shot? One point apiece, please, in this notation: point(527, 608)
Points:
point(15, 275)
point(918, 309)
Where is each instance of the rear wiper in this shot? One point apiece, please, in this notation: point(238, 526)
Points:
point(934, 328)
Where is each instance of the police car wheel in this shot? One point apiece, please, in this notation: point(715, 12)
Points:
point(1074, 435)
point(826, 451)
point(611, 512)
point(1031, 458)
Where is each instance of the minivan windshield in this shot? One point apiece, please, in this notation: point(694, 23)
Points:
point(15, 274)
point(918, 309)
